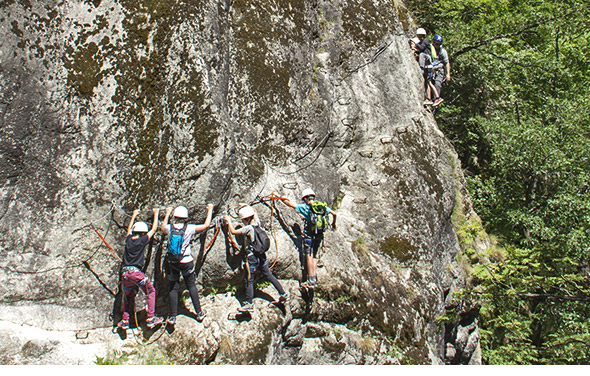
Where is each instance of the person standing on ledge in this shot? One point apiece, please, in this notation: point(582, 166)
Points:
point(315, 215)
point(255, 244)
point(137, 239)
point(179, 259)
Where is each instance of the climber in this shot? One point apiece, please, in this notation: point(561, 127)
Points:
point(138, 237)
point(316, 221)
point(423, 50)
point(254, 256)
point(179, 260)
point(441, 69)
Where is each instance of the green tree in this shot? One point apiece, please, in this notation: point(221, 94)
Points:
point(517, 111)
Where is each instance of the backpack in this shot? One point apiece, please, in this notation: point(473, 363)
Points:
point(261, 241)
point(175, 244)
point(319, 216)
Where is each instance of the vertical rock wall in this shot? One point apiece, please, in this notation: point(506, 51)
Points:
point(108, 106)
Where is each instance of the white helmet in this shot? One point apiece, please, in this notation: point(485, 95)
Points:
point(246, 212)
point(140, 227)
point(307, 192)
point(181, 212)
point(420, 31)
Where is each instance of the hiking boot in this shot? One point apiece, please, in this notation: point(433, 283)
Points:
point(283, 297)
point(428, 102)
point(200, 317)
point(313, 281)
point(123, 324)
point(153, 321)
point(171, 320)
point(437, 101)
point(247, 307)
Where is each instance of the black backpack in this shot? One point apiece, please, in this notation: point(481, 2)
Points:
point(261, 241)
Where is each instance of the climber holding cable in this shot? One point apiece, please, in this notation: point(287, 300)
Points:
point(256, 243)
point(315, 215)
point(137, 239)
point(179, 259)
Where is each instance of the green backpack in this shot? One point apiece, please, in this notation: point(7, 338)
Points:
point(319, 216)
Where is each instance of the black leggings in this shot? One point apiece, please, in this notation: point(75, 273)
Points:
point(259, 264)
point(188, 274)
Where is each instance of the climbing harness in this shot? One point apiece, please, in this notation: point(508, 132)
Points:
point(122, 289)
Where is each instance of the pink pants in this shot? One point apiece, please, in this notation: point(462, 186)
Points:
point(137, 278)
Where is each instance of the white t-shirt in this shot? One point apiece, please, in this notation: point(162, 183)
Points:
point(186, 240)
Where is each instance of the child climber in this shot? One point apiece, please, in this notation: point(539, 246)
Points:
point(254, 257)
point(179, 259)
point(313, 232)
point(138, 237)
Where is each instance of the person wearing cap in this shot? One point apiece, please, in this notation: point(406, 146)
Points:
point(311, 239)
point(137, 239)
point(422, 48)
point(186, 265)
point(252, 261)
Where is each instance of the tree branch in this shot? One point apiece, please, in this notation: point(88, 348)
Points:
point(510, 35)
point(577, 298)
point(565, 343)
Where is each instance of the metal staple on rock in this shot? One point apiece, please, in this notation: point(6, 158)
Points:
point(321, 144)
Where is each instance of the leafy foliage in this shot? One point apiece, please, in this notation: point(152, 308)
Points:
point(139, 354)
point(517, 111)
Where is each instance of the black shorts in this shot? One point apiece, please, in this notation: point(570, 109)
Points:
point(311, 244)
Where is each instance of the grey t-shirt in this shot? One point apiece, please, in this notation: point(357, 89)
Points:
point(249, 235)
point(186, 240)
point(442, 58)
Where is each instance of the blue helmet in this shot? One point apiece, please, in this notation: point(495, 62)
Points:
point(438, 38)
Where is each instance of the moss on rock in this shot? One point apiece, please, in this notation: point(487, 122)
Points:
point(400, 249)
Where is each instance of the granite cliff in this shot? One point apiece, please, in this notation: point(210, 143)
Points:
point(108, 106)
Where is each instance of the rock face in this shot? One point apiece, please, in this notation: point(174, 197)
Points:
point(108, 106)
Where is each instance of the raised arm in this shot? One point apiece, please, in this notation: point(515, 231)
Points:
point(284, 199)
point(288, 203)
point(151, 233)
point(132, 221)
point(165, 221)
point(230, 226)
point(207, 223)
point(333, 219)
